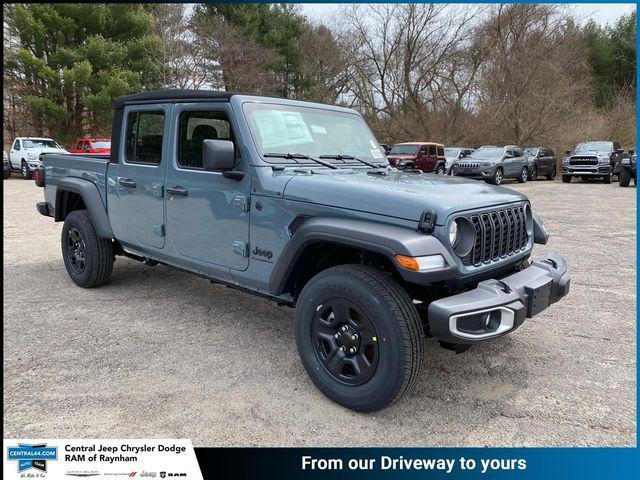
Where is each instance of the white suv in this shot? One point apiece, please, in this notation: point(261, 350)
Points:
point(26, 151)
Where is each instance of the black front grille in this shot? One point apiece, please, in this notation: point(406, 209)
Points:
point(498, 234)
point(583, 161)
point(468, 165)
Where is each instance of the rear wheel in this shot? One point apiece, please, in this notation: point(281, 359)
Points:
point(87, 258)
point(440, 170)
point(566, 178)
point(524, 175)
point(552, 174)
point(359, 336)
point(624, 179)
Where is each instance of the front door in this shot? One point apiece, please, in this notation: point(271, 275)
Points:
point(135, 186)
point(15, 154)
point(207, 213)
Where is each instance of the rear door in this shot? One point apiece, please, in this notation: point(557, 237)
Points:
point(136, 184)
point(207, 213)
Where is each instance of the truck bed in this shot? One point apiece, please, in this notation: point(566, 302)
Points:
point(91, 167)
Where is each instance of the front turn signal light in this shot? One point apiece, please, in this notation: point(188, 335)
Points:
point(421, 264)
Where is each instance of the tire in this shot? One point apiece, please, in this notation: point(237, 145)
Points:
point(552, 175)
point(608, 178)
point(566, 178)
point(25, 172)
point(524, 175)
point(624, 179)
point(533, 173)
point(440, 170)
point(92, 263)
point(6, 174)
point(497, 177)
point(392, 338)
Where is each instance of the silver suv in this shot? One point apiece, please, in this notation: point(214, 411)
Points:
point(493, 164)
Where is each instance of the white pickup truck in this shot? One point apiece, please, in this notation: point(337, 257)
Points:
point(25, 153)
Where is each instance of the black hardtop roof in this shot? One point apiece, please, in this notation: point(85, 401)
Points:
point(170, 96)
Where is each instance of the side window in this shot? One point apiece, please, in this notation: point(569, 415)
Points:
point(144, 137)
point(550, 153)
point(196, 127)
point(423, 150)
point(432, 150)
point(78, 146)
point(517, 153)
point(616, 146)
point(441, 151)
point(16, 145)
point(86, 146)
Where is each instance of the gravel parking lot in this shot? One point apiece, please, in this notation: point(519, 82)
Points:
point(158, 353)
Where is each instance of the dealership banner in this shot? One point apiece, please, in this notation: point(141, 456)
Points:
point(113, 458)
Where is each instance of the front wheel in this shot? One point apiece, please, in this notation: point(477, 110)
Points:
point(608, 178)
point(25, 172)
point(566, 178)
point(87, 258)
point(524, 175)
point(359, 336)
point(497, 177)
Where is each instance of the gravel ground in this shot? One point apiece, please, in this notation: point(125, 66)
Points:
point(158, 353)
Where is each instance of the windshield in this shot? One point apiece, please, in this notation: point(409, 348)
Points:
point(487, 152)
point(97, 145)
point(403, 150)
point(594, 147)
point(281, 129)
point(40, 143)
point(531, 151)
point(451, 152)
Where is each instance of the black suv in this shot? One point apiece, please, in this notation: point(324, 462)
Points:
point(542, 161)
point(628, 169)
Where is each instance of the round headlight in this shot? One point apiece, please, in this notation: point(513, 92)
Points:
point(453, 233)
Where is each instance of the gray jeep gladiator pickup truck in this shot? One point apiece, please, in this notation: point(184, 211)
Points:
point(296, 201)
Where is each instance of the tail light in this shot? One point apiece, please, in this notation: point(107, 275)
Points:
point(38, 176)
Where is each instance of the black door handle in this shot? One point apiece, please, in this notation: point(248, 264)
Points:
point(127, 182)
point(178, 191)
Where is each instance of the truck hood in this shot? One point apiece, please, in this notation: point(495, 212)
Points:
point(397, 194)
point(37, 151)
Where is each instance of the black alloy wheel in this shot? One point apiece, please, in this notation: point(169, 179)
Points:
point(76, 250)
point(345, 341)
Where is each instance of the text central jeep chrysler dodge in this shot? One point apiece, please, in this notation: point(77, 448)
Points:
point(296, 201)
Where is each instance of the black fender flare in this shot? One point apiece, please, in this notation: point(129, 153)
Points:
point(385, 239)
point(540, 234)
point(91, 197)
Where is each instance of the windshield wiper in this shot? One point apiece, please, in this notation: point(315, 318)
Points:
point(295, 156)
point(349, 157)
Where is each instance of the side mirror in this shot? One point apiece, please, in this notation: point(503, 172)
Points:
point(631, 152)
point(218, 155)
point(568, 152)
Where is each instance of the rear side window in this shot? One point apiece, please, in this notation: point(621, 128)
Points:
point(441, 151)
point(144, 137)
point(432, 150)
point(423, 150)
point(196, 127)
point(550, 153)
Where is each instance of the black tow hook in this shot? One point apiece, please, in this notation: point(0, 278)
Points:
point(553, 263)
point(505, 288)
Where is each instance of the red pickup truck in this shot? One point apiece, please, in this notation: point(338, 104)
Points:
point(92, 145)
point(425, 156)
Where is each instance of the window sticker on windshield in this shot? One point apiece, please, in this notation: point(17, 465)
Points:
point(278, 129)
point(318, 129)
point(376, 153)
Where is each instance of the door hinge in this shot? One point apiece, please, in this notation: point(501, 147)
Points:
point(240, 201)
point(158, 230)
point(241, 248)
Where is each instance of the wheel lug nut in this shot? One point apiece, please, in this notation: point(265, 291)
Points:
point(343, 348)
point(352, 350)
point(354, 337)
point(345, 328)
point(337, 335)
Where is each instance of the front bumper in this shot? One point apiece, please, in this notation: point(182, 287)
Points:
point(595, 170)
point(480, 172)
point(497, 307)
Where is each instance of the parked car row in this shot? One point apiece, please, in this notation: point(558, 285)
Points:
point(25, 155)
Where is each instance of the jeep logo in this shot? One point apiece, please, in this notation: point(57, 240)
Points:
point(262, 253)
